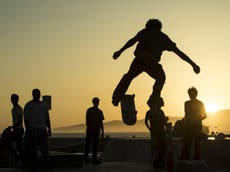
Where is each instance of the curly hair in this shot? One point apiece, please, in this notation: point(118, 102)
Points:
point(192, 92)
point(153, 23)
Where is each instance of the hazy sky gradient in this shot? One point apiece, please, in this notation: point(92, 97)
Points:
point(65, 47)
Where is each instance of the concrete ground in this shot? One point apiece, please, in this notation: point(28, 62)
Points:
point(133, 155)
point(111, 167)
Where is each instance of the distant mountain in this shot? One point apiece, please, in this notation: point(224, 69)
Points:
point(219, 120)
point(111, 126)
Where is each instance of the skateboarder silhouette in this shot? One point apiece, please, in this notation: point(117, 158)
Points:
point(151, 43)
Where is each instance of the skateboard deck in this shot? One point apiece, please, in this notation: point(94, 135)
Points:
point(128, 111)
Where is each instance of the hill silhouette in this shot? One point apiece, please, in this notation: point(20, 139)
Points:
point(111, 126)
point(219, 120)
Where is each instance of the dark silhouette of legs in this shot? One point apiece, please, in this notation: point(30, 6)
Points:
point(193, 133)
point(196, 149)
point(94, 138)
point(158, 150)
point(17, 136)
point(19, 141)
point(156, 71)
point(153, 147)
point(197, 139)
point(95, 145)
point(162, 150)
point(138, 66)
point(43, 146)
point(186, 149)
point(87, 145)
point(134, 70)
point(36, 141)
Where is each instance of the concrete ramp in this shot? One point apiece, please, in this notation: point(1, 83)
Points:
point(129, 150)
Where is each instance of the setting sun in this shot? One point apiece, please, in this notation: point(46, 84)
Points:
point(212, 107)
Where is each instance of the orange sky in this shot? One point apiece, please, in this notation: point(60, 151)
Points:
point(65, 49)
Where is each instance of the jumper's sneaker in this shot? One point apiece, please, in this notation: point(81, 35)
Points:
point(115, 103)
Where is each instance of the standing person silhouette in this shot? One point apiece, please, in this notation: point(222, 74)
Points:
point(94, 126)
point(38, 127)
point(18, 130)
point(194, 114)
point(155, 121)
point(151, 44)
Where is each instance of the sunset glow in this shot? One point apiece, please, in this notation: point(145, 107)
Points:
point(65, 49)
point(212, 107)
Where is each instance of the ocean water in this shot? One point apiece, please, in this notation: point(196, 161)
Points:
point(115, 135)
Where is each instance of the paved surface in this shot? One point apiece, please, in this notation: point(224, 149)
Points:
point(131, 150)
point(111, 167)
point(105, 167)
point(133, 155)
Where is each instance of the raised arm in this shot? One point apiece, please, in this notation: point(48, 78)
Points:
point(128, 44)
point(184, 57)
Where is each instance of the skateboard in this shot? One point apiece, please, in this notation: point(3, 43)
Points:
point(128, 110)
point(47, 100)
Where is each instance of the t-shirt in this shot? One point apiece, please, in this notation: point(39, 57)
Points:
point(94, 118)
point(152, 43)
point(17, 114)
point(36, 112)
point(194, 111)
